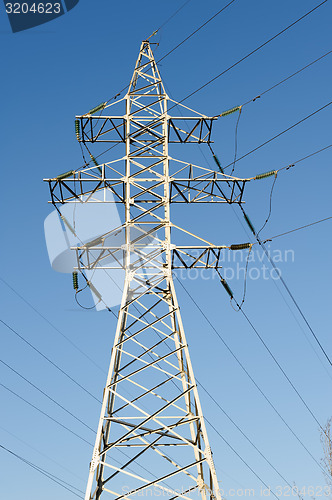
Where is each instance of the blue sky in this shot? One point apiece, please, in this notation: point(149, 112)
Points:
point(71, 64)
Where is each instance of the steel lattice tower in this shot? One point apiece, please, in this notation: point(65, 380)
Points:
point(151, 432)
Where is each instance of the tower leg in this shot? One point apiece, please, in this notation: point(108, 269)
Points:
point(151, 418)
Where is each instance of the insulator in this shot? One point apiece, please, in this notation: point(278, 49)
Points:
point(230, 111)
point(265, 174)
point(77, 130)
point(96, 163)
point(248, 221)
point(94, 290)
point(227, 287)
point(75, 281)
point(240, 246)
point(70, 227)
point(97, 108)
point(94, 160)
point(66, 174)
point(216, 159)
point(94, 243)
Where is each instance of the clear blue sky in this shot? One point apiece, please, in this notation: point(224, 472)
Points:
point(71, 64)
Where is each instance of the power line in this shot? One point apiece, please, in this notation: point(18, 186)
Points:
point(235, 160)
point(161, 59)
point(279, 366)
point(260, 242)
point(41, 453)
point(74, 416)
point(232, 66)
point(295, 303)
point(51, 324)
point(253, 51)
point(280, 133)
point(276, 285)
point(44, 413)
point(194, 32)
point(297, 229)
point(173, 15)
point(62, 425)
point(239, 456)
point(50, 476)
point(248, 374)
point(305, 158)
point(243, 433)
point(287, 78)
point(49, 360)
point(56, 421)
point(46, 395)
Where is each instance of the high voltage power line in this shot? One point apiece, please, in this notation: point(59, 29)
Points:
point(252, 52)
point(196, 31)
point(287, 288)
point(49, 475)
point(234, 64)
point(214, 329)
point(243, 433)
point(55, 420)
point(297, 229)
point(240, 107)
point(287, 78)
point(239, 456)
point(89, 428)
point(297, 306)
point(75, 346)
point(46, 395)
point(61, 465)
point(242, 59)
point(49, 360)
point(183, 41)
point(280, 134)
point(274, 281)
point(173, 15)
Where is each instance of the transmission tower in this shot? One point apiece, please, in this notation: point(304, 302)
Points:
point(151, 437)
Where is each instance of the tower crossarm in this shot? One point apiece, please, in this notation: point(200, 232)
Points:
point(148, 257)
point(188, 185)
point(112, 129)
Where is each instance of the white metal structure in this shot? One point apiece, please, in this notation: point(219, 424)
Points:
point(151, 437)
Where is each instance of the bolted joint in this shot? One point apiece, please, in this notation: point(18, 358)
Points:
point(200, 483)
point(167, 246)
point(209, 458)
point(95, 461)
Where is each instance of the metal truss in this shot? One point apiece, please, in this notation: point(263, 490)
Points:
point(190, 184)
point(97, 255)
point(151, 436)
point(113, 128)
